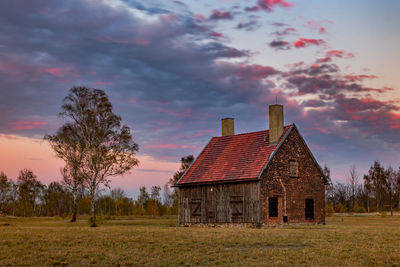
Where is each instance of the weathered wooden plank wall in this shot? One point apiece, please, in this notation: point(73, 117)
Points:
point(220, 203)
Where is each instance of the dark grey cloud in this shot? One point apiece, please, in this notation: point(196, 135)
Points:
point(344, 111)
point(218, 15)
point(280, 45)
point(167, 78)
point(251, 25)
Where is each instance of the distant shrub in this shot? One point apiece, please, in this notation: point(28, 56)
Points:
point(341, 208)
point(383, 214)
point(109, 217)
point(329, 210)
point(358, 209)
point(100, 219)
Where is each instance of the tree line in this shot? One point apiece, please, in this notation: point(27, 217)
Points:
point(27, 196)
point(376, 191)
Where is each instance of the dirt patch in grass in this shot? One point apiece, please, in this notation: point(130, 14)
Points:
point(266, 246)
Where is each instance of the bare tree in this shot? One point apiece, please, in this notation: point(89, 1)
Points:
point(109, 149)
point(329, 187)
point(117, 194)
point(168, 199)
point(353, 182)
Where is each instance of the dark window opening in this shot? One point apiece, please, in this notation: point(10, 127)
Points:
point(309, 208)
point(293, 168)
point(285, 219)
point(195, 207)
point(273, 206)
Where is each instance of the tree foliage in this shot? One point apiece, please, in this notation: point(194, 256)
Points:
point(173, 196)
point(29, 189)
point(68, 145)
point(5, 188)
point(104, 147)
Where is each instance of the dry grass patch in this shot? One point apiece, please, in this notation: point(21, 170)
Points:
point(145, 241)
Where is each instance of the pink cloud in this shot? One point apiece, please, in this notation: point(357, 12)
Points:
point(303, 42)
point(186, 113)
point(360, 77)
point(315, 25)
point(268, 5)
point(252, 9)
point(324, 60)
point(101, 83)
point(170, 146)
point(322, 130)
point(216, 14)
point(27, 125)
point(9, 137)
point(55, 71)
point(254, 72)
point(168, 18)
point(199, 17)
point(317, 147)
point(339, 54)
point(216, 34)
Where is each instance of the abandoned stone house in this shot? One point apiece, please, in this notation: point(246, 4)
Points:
point(268, 177)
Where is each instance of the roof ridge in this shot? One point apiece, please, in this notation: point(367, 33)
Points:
point(267, 130)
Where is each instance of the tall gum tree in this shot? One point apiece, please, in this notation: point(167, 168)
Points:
point(107, 147)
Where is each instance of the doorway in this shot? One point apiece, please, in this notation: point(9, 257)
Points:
point(309, 209)
point(273, 207)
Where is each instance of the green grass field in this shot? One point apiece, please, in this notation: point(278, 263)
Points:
point(143, 241)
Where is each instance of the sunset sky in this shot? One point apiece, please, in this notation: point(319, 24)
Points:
point(173, 69)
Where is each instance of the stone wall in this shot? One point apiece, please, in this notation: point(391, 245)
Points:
point(292, 191)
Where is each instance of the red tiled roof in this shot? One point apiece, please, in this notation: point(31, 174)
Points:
point(231, 158)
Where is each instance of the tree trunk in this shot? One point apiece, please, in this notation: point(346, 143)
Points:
point(398, 204)
point(74, 206)
point(391, 205)
point(92, 208)
point(368, 204)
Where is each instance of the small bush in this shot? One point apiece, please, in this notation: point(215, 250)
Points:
point(329, 210)
point(358, 209)
point(341, 208)
point(383, 214)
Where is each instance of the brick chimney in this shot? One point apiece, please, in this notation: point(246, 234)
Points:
point(228, 126)
point(275, 123)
